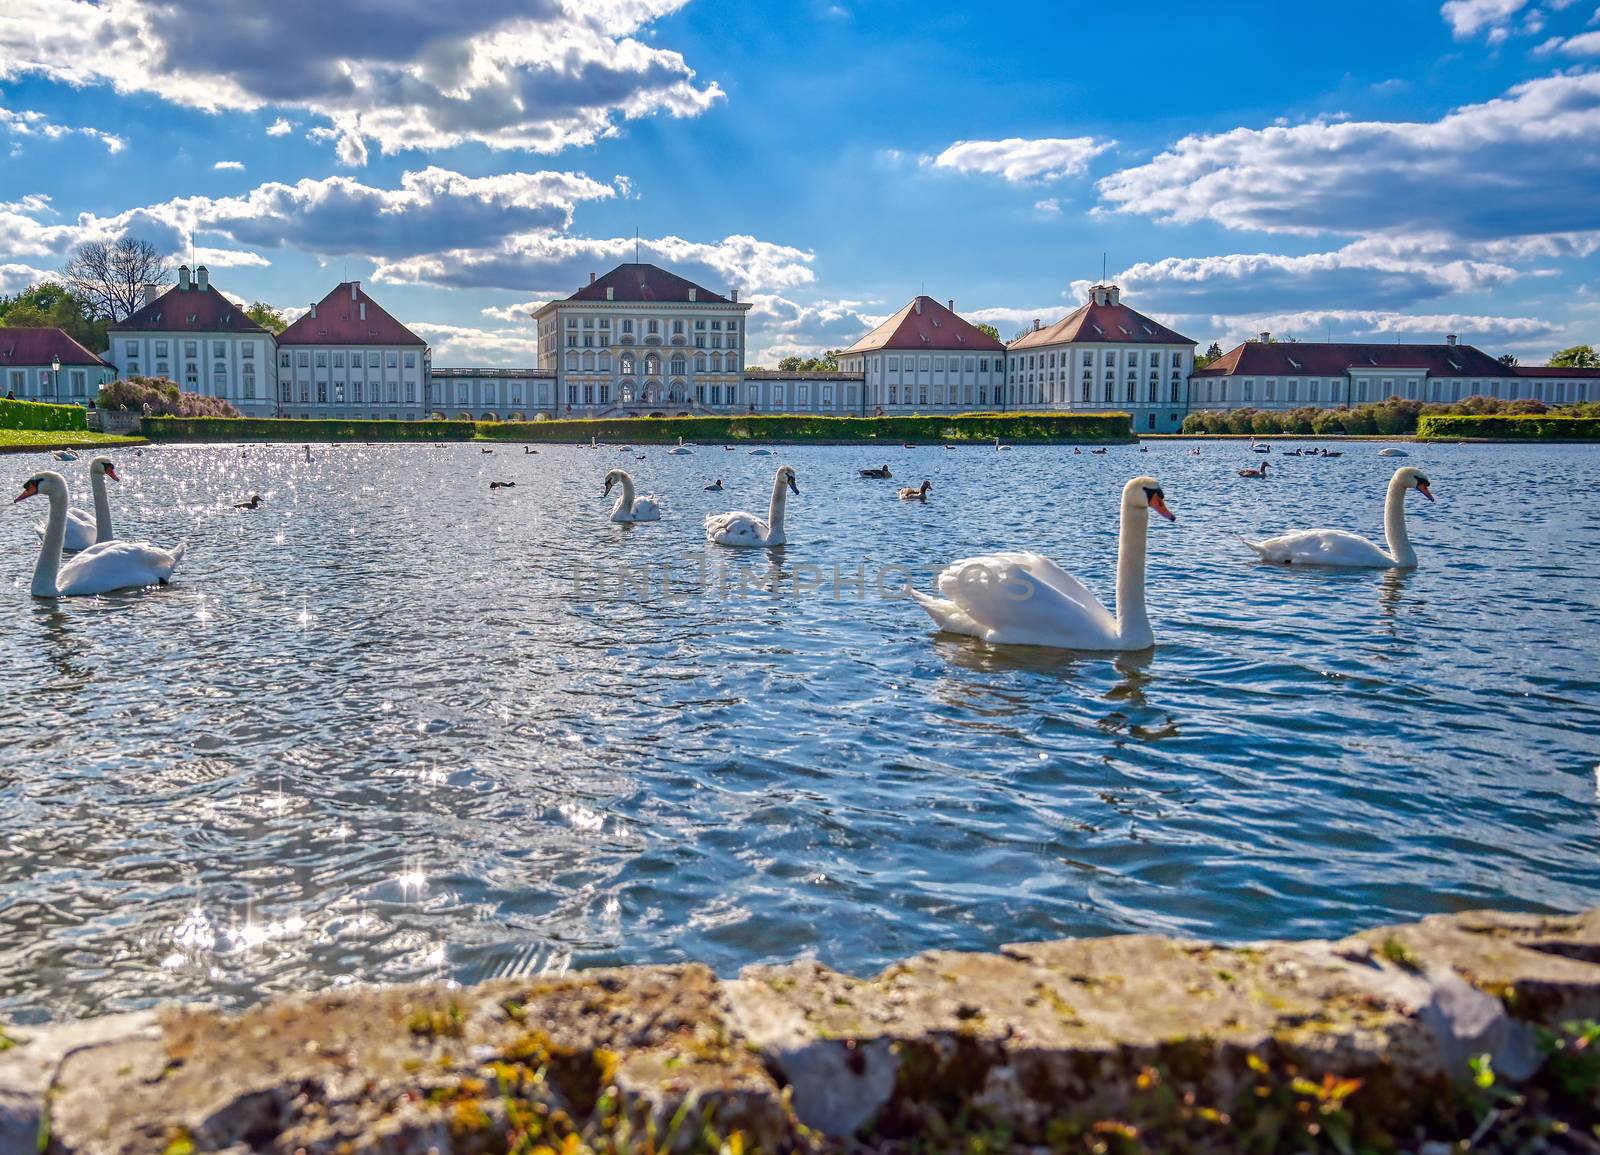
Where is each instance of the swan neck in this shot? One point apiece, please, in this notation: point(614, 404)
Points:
point(1394, 524)
point(55, 536)
point(780, 498)
point(102, 506)
point(627, 491)
point(1133, 622)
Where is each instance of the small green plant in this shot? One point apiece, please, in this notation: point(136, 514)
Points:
point(437, 1022)
point(1402, 956)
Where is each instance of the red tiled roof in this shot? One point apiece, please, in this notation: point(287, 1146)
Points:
point(932, 326)
point(1115, 324)
point(35, 347)
point(191, 310)
point(1317, 359)
point(338, 321)
point(645, 283)
point(1554, 371)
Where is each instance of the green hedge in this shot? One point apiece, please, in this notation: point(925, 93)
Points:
point(800, 428)
point(1537, 427)
point(291, 429)
point(37, 415)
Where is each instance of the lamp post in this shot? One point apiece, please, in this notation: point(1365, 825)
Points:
point(55, 377)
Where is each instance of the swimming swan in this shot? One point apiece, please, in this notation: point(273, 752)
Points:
point(100, 569)
point(82, 529)
point(1025, 599)
point(628, 508)
point(1335, 547)
point(746, 529)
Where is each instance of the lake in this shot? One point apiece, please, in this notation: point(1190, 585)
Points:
point(384, 728)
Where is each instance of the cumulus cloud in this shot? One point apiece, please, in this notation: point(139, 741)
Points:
point(1467, 18)
point(512, 314)
point(1050, 206)
point(281, 127)
point(229, 166)
point(465, 345)
point(15, 277)
point(1488, 332)
point(1584, 44)
point(558, 264)
point(1518, 166)
point(1022, 161)
point(779, 327)
point(27, 122)
point(536, 75)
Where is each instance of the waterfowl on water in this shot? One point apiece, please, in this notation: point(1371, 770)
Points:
point(253, 503)
point(84, 529)
point(881, 472)
point(1335, 547)
point(629, 508)
point(102, 568)
point(502, 485)
point(746, 529)
point(919, 493)
point(715, 487)
point(1260, 472)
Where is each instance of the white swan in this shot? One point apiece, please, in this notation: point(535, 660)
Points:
point(761, 453)
point(100, 569)
point(83, 529)
point(1337, 548)
point(680, 449)
point(746, 529)
point(629, 508)
point(1393, 452)
point(1025, 599)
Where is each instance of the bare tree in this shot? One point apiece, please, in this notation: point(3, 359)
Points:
point(111, 275)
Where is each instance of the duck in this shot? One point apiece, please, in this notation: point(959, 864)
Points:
point(715, 486)
point(84, 530)
point(879, 473)
point(1261, 471)
point(102, 568)
point(1332, 453)
point(629, 508)
point(1291, 452)
point(1023, 598)
point(485, 451)
point(502, 485)
point(1335, 547)
point(529, 449)
point(680, 449)
point(742, 529)
point(907, 445)
point(917, 493)
point(1099, 451)
point(253, 503)
point(727, 449)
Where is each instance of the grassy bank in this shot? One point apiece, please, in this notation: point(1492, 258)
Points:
point(1499, 427)
point(967, 427)
point(37, 440)
point(37, 415)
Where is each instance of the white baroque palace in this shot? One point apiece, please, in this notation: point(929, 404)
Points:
point(46, 364)
point(927, 358)
point(643, 340)
point(347, 357)
point(194, 335)
point(1104, 356)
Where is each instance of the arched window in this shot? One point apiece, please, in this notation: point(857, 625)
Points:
point(627, 362)
point(652, 364)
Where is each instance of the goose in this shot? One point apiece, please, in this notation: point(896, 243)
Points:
point(680, 449)
point(82, 529)
point(715, 487)
point(1332, 453)
point(1099, 451)
point(1260, 471)
point(1025, 599)
point(879, 473)
point(253, 503)
point(918, 493)
point(746, 529)
point(526, 449)
point(761, 453)
point(1393, 452)
point(1335, 547)
point(629, 508)
point(100, 569)
point(727, 449)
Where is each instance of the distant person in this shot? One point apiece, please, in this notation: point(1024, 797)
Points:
point(10, 396)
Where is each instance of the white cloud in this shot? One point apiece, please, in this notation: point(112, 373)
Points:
point(535, 75)
point(215, 258)
point(1584, 44)
point(779, 327)
point(462, 345)
point(229, 166)
point(1050, 206)
point(1022, 161)
point(1517, 166)
point(16, 277)
point(512, 314)
point(1469, 17)
point(27, 122)
point(281, 127)
point(1487, 332)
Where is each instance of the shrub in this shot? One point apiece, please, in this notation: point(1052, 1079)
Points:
point(1264, 422)
point(801, 428)
point(157, 396)
point(290, 429)
point(1510, 426)
point(37, 415)
point(1327, 422)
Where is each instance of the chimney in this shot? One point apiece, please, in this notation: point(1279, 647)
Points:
point(919, 306)
point(313, 311)
point(355, 287)
point(363, 308)
point(151, 292)
point(611, 293)
point(183, 277)
point(591, 278)
point(201, 277)
point(1036, 324)
point(691, 292)
point(1450, 340)
point(951, 305)
point(1266, 337)
point(1115, 293)
point(736, 296)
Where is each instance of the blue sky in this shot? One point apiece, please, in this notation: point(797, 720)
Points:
point(1365, 170)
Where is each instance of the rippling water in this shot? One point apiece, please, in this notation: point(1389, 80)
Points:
point(374, 731)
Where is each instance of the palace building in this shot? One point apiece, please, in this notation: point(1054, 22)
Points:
point(1103, 356)
point(927, 358)
point(347, 357)
point(39, 363)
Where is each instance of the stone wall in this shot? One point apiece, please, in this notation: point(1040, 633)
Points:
point(1474, 1028)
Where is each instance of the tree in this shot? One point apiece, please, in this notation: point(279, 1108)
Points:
point(1577, 357)
point(827, 363)
point(267, 317)
point(53, 305)
point(1508, 359)
point(111, 275)
point(989, 329)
